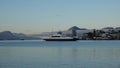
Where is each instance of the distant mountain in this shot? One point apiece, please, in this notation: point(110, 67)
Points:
point(74, 28)
point(7, 35)
point(23, 36)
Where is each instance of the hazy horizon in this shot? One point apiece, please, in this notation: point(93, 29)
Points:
point(37, 16)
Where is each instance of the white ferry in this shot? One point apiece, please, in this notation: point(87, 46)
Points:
point(58, 37)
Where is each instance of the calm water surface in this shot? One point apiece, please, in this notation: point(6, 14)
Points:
point(42, 54)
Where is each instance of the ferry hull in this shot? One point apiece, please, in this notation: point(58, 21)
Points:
point(60, 39)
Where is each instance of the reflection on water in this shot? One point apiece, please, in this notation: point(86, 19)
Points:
point(59, 57)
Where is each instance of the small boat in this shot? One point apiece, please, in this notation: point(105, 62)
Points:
point(58, 37)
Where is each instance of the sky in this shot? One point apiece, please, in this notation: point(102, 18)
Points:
point(37, 16)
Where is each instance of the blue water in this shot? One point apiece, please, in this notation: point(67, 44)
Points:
point(76, 54)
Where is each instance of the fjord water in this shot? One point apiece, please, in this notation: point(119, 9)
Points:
point(74, 54)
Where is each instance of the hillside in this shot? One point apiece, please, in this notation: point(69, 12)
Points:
point(7, 35)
